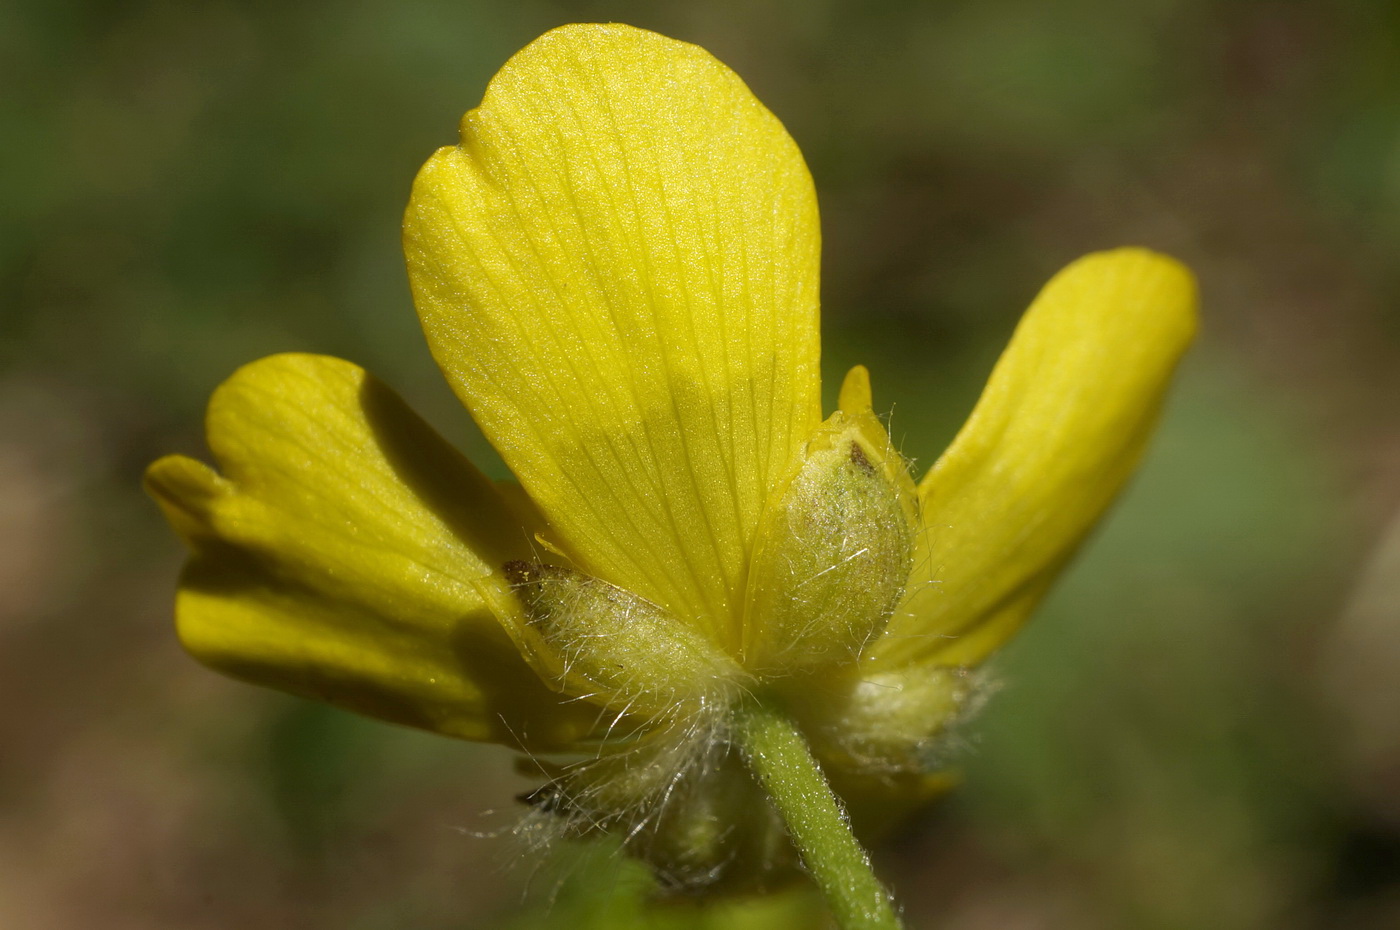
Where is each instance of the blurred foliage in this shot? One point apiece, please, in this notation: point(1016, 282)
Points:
point(1196, 731)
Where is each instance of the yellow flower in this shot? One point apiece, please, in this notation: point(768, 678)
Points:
point(617, 271)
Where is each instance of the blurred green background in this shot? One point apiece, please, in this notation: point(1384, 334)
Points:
point(1201, 728)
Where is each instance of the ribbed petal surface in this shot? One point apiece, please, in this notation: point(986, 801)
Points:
point(617, 271)
point(335, 556)
point(1058, 430)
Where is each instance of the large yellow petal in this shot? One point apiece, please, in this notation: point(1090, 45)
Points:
point(617, 271)
point(1060, 426)
point(335, 556)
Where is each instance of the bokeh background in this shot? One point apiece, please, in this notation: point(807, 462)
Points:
point(1200, 729)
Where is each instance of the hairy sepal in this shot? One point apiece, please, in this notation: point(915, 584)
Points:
point(604, 644)
point(679, 800)
point(833, 553)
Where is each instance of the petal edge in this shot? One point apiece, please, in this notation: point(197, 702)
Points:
point(335, 557)
point(617, 271)
point(1058, 430)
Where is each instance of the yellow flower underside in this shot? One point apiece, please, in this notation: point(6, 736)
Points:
point(616, 269)
point(336, 553)
point(1059, 428)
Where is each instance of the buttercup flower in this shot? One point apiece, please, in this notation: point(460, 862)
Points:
point(617, 271)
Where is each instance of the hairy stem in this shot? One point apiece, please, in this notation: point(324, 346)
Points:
point(777, 753)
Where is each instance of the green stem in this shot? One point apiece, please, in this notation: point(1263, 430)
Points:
point(777, 753)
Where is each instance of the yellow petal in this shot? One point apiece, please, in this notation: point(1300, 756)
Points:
point(335, 556)
point(1060, 426)
point(855, 397)
point(617, 271)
